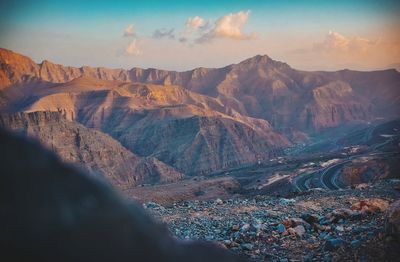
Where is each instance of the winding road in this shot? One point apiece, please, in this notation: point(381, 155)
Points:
point(327, 177)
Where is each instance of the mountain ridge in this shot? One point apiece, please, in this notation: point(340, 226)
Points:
point(206, 119)
point(258, 87)
point(4, 53)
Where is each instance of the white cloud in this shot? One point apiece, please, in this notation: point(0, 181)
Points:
point(133, 49)
point(194, 28)
point(228, 26)
point(130, 31)
point(335, 42)
point(338, 51)
point(194, 23)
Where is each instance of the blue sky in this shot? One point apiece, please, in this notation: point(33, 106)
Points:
point(306, 34)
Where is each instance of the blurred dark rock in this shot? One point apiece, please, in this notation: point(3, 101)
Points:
point(393, 220)
point(51, 212)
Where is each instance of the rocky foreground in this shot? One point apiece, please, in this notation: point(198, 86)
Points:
point(345, 225)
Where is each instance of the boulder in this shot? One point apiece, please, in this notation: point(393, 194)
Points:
point(287, 202)
point(281, 228)
point(333, 244)
point(219, 201)
point(362, 186)
point(300, 230)
point(294, 222)
point(297, 221)
point(343, 213)
point(339, 228)
point(245, 227)
point(355, 243)
point(372, 205)
point(235, 228)
point(310, 218)
point(247, 246)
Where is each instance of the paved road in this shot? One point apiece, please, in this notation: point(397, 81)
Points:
point(301, 182)
point(323, 177)
point(327, 177)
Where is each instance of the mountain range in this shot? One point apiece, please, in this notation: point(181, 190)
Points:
point(153, 126)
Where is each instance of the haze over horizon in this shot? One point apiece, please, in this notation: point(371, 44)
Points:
point(173, 35)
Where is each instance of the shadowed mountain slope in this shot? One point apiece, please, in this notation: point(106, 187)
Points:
point(189, 131)
point(90, 149)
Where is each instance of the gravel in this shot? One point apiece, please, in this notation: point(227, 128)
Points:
point(319, 226)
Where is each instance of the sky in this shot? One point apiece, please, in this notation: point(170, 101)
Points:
point(182, 35)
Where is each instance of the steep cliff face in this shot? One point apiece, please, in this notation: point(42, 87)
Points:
point(201, 144)
point(189, 131)
point(90, 149)
point(333, 104)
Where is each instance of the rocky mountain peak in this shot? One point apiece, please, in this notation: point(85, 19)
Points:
point(15, 68)
point(45, 62)
point(257, 60)
point(262, 61)
point(6, 53)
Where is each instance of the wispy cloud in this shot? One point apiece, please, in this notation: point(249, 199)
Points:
point(133, 48)
point(164, 33)
point(335, 42)
point(130, 31)
point(337, 50)
point(196, 23)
